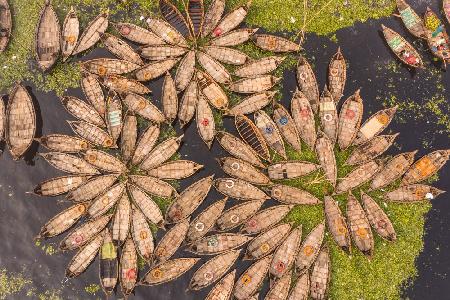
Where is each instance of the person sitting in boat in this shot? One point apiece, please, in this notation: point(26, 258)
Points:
point(409, 57)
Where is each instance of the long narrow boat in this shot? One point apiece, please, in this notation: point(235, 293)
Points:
point(286, 126)
point(291, 195)
point(166, 31)
point(108, 66)
point(128, 267)
point(375, 124)
point(122, 220)
point(168, 271)
point(275, 43)
point(239, 189)
point(251, 103)
point(251, 135)
point(69, 163)
point(328, 115)
point(124, 85)
point(216, 70)
point(413, 193)
point(212, 16)
point(188, 103)
point(93, 92)
point(426, 166)
point(243, 170)
point(300, 291)
point(378, 218)
point(401, 48)
point(185, 71)
point(155, 69)
point(93, 134)
point(280, 289)
point(284, 255)
point(310, 248)
point(266, 219)
point(170, 242)
point(169, 98)
point(129, 136)
point(371, 149)
point(218, 243)
point(227, 55)
point(437, 37)
point(94, 187)
point(70, 33)
point(92, 33)
point(205, 221)
point(255, 84)
point(266, 242)
point(349, 120)
point(206, 125)
point(138, 34)
point(359, 226)
point(393, 169)
point(105, 201)
point(337, 75)
point(307, 82)
point(63, 143)
point(84, 257)
point(238, 148)
point(5, 24)
point(358, 176)
point(270, 132)
point(195, 14)
point(63, 221)
point(411, 19)
point(234, 38)
point(161, 153)
point(20, 122)
point(212, 91)
point(145, 143)
point(252, 279)
point(82, 111)
point(223, 289)
point(303, 116)
point(174, 17)
point(109, 264)
point(238, 214)
point(325, 154)
point(174, 170)
point(142, 106)
point(146, 204)
point(120, 48)
point(320, 275)
point(48, 38)
point(104, 161)
point(336, 224)
point(259, 67)
point(59, 185)
point(231, 21)
point(142, 235)
point(154, 186)
point(291, 169)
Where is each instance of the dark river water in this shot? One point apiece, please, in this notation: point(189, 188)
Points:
point(22, 214)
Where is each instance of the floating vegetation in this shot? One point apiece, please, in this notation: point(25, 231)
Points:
point(11, 284)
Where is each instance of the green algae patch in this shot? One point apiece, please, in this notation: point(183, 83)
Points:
point(92, 289)
point(11, 284)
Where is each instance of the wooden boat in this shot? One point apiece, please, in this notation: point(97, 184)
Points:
point(280, 289)
point(145, 143)
point(300, 291)
point(401, 48)
point(84, 257)
point(48, 37)
point(218, 72)
point(310, 249)
point(275, 43)
point(251, 135)
point(426, 167)
point(252, 103)
point(69, 163)
point(2, 119)
point(286, 126)
point(168, 271)
point(375, 124)
point(195, 12)
point(161, 52)
point(161, 153)
point(83, 234)
point(213, 270)
point(239, 189)
point(218, 243)
point(120, 49)
point(212, 16)
point(174, 170)
point(138, 34)
point(169, 98)
point(270, 132)
point(189, 200)
point(243, 170)
point(238, 214)
point(128, 267)
point(155, 69)
point(59, 185)
point(337, 75)
point(325, 154)
point(349, 120)
point(109, 264)
point(231, 21)
point(259, 67)
point(94, 187)
point(205, 221)
point(266, 242)
point(105, 201)
point(234, 38)
point(63, 143)
point(165, 31)
point(104, 161)
point(320, 275)
point(174, 17)
point(223, 289)
point(63, 221)
point(291, 195)
point(185, 71)
point(358, 176)
point(70, 33)
point(226, 55)
point(252, 279)
point(93, 134)
point(108, 66)
point(122, 220)
point(170, 242)
point(206, 125)
point(255, 84)
point(124, 85)
point(129, 137)
point(359, 226)
point(142, 235)
point(238, 148)
point(413, 193)
point(114, 116)
point(284, 256)
point(142, 106)
point(411, 19)
point(394, 169)
point(371, 149)
point(20, 122)
point(6, 24)
point(82, 111)
point(92, 33)
point(303, 116)
point(266, 219)
point(146, 205)
point(154, 186)
point(446, 9)
point(291, 169)
point(307, 82)
point(188, 103)
point(93, 92)
point(378, 218)
point(212, 91)
point(328, 115)
point(336, 224)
